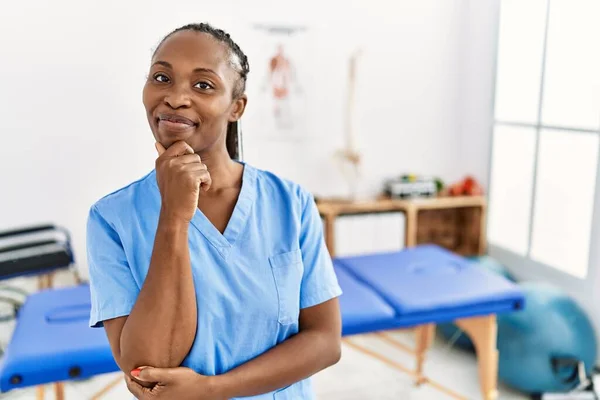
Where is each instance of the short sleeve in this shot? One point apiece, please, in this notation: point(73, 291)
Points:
point(319, 282)
point(112, 286)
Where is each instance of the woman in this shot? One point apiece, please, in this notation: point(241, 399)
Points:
point(210, 277)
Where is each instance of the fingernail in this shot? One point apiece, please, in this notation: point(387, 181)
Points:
point(136, 372)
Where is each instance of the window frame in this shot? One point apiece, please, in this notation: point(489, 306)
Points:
point(528, 268)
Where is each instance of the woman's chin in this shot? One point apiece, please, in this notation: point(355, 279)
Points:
point(168, 138)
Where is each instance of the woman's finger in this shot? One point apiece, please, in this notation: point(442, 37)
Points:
point(190, 159)
point(135, 388)
point(159, 148)
point(193, 167)
point(205, 179)
point(177, 149)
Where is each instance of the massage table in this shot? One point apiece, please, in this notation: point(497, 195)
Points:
point(52, 342)
point(40, 251)
point(417, 287)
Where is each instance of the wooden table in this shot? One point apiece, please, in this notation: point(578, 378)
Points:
point(330, 209)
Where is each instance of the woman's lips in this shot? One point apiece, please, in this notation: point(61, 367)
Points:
point(171, 123)
point(175, 118)
point(171, 126)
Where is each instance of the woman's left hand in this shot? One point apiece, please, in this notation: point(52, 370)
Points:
point(173, 383)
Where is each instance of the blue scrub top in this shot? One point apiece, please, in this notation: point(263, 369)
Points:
point(251, 281)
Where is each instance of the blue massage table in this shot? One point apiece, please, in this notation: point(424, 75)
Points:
point(417, 287)
point(52, 342)
point(420, 287)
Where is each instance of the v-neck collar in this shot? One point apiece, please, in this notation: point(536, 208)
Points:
point(241, 212)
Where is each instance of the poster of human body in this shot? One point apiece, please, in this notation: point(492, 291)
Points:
point(279, 81)
point(283, 86)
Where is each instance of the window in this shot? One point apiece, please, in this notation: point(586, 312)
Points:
point(564, 200)
point(512, 179)
point(546, 132)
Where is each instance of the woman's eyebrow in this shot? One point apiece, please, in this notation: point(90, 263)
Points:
point(163, 63)
point(199, 69)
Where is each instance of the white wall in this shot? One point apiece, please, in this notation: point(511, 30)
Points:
point(407, 92)
point(74, 129)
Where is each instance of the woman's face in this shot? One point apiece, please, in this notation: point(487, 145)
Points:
point(188, 94)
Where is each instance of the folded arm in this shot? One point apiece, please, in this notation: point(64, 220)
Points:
point(161, 327)
point(316, 347)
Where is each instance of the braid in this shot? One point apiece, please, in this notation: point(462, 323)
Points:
point(242, 66)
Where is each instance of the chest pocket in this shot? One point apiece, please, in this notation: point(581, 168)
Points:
point(287, 271)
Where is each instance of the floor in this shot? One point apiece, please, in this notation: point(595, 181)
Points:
point(355, 377)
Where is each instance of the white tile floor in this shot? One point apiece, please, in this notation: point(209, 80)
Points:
point(355, 377)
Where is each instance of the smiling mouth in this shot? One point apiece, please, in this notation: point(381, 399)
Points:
point(175, 124)
point(175, 119)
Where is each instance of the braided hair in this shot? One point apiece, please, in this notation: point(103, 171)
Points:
point(239, 63)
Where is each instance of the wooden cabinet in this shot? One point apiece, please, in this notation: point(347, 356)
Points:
point(456, 223)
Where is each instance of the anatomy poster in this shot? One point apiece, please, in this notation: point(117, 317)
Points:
point(280, 79)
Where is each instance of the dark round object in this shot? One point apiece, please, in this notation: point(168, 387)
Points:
point(75, 372)
point(16, 379)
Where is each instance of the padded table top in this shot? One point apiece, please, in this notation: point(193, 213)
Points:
point(427, 284)
point(362, 309)
point(53, 342)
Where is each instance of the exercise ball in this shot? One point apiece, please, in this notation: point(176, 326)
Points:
point(493, 265)
point(540, 346)
point(450, 331)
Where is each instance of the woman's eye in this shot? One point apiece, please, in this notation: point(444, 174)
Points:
point(203, 85)
point(161, 78)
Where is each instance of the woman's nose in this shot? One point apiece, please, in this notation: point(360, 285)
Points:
point(178, 97)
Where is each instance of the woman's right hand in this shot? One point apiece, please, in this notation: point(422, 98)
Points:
point(180, 174)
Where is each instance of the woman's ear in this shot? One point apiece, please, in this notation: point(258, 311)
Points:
point(238, 107)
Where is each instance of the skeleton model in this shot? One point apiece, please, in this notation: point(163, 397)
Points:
point(349, 158)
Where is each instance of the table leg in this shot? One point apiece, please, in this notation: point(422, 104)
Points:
point(424, 339)
point(483, 333)
point(59, 391)
point(42, 282)
point(50, 280)
point(411, 227)
point(482, 231)
point(330, 234)
point(39, 392)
